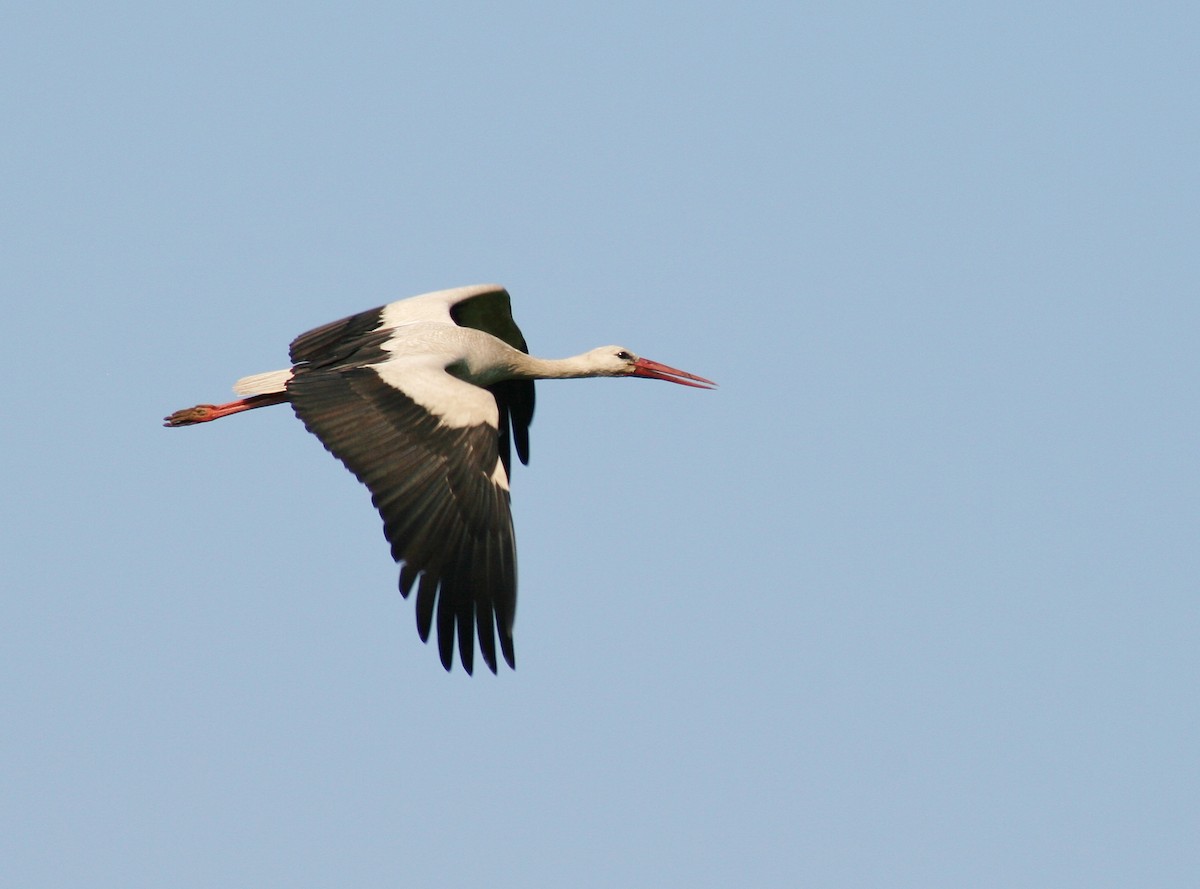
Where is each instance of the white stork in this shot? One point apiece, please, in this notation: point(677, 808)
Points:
point(422, 399)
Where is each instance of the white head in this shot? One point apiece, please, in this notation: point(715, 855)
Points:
point(617, 361)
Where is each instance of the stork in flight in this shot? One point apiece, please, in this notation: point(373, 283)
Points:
point(423, 400)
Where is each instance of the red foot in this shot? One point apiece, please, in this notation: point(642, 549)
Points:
point(201, 413)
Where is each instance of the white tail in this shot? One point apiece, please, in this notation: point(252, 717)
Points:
point(263, 384)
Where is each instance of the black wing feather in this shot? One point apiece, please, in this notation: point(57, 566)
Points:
point(443, 514)
point(514, 398)
point(338, 341)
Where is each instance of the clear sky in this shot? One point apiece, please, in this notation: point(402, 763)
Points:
point(910, 601)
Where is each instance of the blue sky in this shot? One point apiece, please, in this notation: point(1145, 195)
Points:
point(909, 601)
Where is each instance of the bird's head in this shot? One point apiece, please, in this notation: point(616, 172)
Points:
point(617, 361)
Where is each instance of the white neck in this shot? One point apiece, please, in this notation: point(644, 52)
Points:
point(530, 367)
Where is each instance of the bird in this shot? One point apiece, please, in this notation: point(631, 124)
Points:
point(424, 400)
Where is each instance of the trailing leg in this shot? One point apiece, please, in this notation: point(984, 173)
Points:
point(205, 413)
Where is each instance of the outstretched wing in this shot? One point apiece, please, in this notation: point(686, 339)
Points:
point(441, 489)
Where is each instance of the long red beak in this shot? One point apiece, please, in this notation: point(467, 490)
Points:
point(652, 370)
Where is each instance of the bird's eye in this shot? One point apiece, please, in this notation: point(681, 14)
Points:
point(624, 356)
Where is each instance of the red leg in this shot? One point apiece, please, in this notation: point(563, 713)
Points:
point(204, 413)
